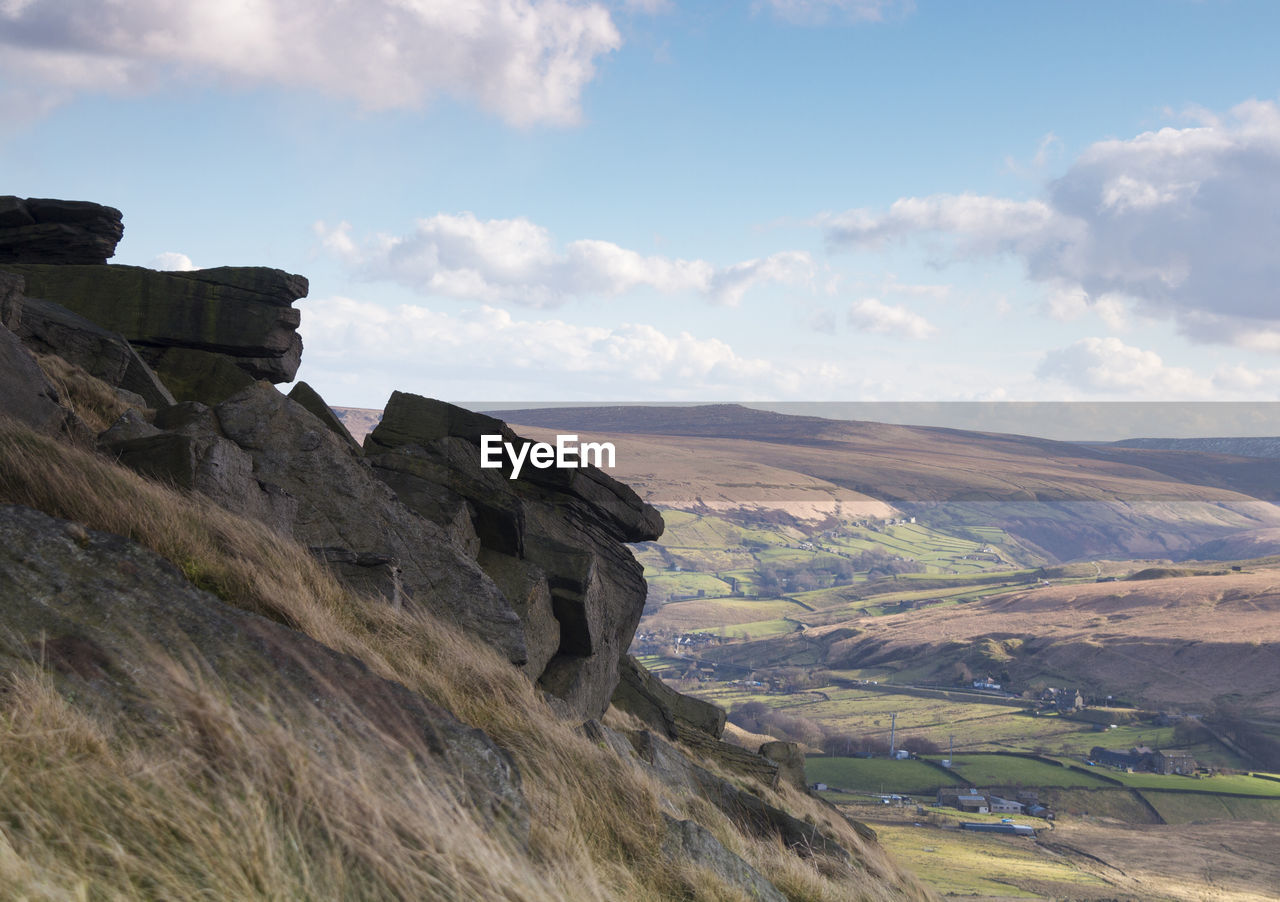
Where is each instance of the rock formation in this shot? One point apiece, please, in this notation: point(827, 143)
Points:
point(243, 312)
point(262, 455)
point(39, 230)
point(554, 539)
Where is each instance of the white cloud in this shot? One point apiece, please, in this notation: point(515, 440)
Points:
point(817, 12)
point(651, 7)
point(1179, 221)
point(871, 315)
point(172, 262)
point(1240, 379)
point(517, 261)
point(425, 349)
point(1067, 302)
point(1109, 366)
point(526, 60)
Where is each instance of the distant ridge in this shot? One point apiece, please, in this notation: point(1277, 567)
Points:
point(710, 420)
point(1240, 447)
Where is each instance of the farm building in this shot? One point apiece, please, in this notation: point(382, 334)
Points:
point(1141, 757)
point(1173, 763)
point(1015, 829)
point(1004, 806)
point(1130, 760)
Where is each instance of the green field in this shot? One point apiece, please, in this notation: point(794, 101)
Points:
point(1009, 770)
point(877, 775)
point(1238, 784)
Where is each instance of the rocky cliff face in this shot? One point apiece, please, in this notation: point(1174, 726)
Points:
point(553, 540)
point(536, 569)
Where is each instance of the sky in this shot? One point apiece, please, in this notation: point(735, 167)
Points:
point(518, 201)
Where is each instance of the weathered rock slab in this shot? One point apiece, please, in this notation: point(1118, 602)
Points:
point(44, 230)
point(690, 841)
point(243, 312)
point(641, 693)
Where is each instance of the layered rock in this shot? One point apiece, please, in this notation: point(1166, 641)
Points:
point(554, 539)
point(245, 313)
point(260, 454)
point(43, 230)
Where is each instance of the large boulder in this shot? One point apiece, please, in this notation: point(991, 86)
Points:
point(202, 376)
point(94, 607)
point(790, 760)
point(659, 706)
point(748, 810)
point(690, 841)
point(42, 230)
point(260, 454)
point(243, 312)
point(50, 328)
point(28, 396)
point(308, 397)
point(554, 535)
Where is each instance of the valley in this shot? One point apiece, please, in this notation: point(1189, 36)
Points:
point(994, 607)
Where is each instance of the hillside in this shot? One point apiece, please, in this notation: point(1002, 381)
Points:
point(1065, 501)
point(246, 657)
point(1188, 643)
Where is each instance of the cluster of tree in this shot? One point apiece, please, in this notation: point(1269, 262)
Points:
point(757, 717)
point(801, 577)
point(879, 565)
point(831, 570)
point(1235, 724)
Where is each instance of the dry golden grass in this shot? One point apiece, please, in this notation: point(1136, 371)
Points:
point(91, 399)
point(279, 818)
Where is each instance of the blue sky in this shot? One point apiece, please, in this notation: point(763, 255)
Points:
point(786, 200)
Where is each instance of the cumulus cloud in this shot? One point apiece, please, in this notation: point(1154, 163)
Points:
point(872, 315)
point(526, 60)
point(172, 262)
point(1180, 220)
point(484, 342)
point(518, 261)
point(818, 12)
point(1109, 366)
